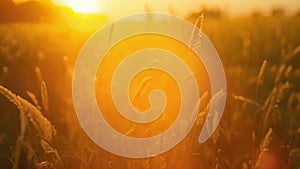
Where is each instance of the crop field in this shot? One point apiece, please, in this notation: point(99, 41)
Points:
point(260, 127)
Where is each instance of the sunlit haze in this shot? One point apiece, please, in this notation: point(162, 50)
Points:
point(115, 8)
point(86, 6)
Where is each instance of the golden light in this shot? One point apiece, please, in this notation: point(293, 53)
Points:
point(84, 6)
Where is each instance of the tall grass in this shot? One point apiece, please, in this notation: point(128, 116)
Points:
point(44, 130)
point(260, 122)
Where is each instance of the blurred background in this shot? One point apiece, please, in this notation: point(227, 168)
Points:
point(257, 41)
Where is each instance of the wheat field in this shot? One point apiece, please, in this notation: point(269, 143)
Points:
point(260, 128)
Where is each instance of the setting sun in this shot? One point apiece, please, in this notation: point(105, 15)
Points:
point(83, 6)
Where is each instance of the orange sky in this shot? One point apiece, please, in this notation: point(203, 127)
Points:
point(116, 8)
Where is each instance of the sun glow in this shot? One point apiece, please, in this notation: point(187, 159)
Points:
point(84, 6)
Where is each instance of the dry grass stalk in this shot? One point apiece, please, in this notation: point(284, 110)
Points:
point(40, 123)
point(268, 107)
point(45, 164)
point(265, 146)
point(202, 115)
point(33, 99)
point(280, 73)
point(267, 141)
point(14, 99)
point(195, 40)
point(246, 100)
point(30, 152)
point(293, 53)
point(39, 74)
point(140, 90)
point(288, 71)
point(282, 88)
point(261, 75)
point(44, 95)
point(215, 136)
point(50, 150)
